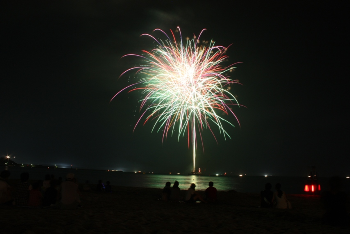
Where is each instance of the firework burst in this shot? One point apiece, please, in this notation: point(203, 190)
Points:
point(184, 87)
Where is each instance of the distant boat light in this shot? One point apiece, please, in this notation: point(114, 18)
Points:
point(265, 175)
point(240, 175)
point(217, 174)
point(312, 188)
point(348, 177)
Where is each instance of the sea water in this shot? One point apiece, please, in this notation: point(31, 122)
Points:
point(246, 184)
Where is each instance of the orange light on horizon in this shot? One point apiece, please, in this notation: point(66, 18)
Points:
point(306, 189)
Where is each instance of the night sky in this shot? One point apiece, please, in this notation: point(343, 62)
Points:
point(61, 62)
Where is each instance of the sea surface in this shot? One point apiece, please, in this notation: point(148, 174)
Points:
point(246, 184)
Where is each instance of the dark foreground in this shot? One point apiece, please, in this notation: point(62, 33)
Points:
point(137, 210)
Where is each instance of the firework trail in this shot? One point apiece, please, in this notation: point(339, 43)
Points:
point(184, 87)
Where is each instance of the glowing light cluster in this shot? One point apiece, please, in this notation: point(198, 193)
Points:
point(184, 86)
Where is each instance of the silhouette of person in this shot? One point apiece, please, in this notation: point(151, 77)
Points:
point(211, 192)
point(175, 192)
point(166, 192)
point(5, 189)
point(266, 196)
point(35, 195)
point(51, 194)
point(46, 182)
point(70, 192)
point(192, 195)
point(108, 187)
point(279, 198)
point(22, 190)
point(334, 202)
point(100, 186)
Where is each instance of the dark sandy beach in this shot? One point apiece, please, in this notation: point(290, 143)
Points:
point(137, 210)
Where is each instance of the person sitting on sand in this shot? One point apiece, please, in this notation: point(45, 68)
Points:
point(22, 190)
point(51, 194)
point(46, 182)
point(175, 192)
point(279, 198)
point(166, 192)
point(35, 195)
point(334, 202)
point(266, 196)
point(192, 195)
point(100, 186)
point(5, 189)
point(211, 193)
point(108, 187)
point(70, 192)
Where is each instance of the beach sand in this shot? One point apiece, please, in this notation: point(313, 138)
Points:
point(137, 210)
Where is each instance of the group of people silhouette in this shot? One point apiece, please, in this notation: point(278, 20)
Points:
point(66, 194)
point(277, 199)
point(47, 193)
point(334, 201)
point(173, 193)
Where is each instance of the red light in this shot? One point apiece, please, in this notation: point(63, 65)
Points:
point(312, 188)
point(319, 187)
point(306, 189)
